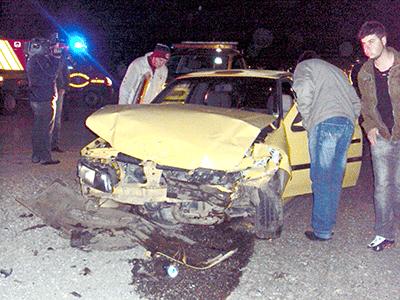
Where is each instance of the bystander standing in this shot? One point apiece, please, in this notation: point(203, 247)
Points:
point(329, 106)
point(41, 68)
point(145, 77)
point(379, 84)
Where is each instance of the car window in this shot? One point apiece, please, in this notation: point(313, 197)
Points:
point(237, 62)
point(173, 63)
point(287, 96)
point(253, 94)
point(179, 93)
point(182, 64)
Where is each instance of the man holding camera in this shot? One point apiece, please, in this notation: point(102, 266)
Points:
point(42, 65)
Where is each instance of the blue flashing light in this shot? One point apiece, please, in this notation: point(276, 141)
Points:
point(77, 44)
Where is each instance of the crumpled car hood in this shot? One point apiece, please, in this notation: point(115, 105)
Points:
point(179, 135)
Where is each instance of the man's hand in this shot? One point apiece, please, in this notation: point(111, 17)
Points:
point(372, 136)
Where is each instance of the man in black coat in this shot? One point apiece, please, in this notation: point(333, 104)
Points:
point(41, 68)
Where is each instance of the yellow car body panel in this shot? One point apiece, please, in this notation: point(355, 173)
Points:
point(297, 141)
point(183, 136)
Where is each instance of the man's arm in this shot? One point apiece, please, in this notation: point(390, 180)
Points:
point(369, 124)
point(163, 78)
point(355, 100)
point(304, 88)
point(129, 83)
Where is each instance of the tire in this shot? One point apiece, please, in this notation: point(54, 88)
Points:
point(269, 210)
point(10, 104)
point(93, 99)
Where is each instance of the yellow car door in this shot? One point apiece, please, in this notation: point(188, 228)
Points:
point(299, 157)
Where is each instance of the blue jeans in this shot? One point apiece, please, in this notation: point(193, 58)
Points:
point(386, 166)
point(328, 143)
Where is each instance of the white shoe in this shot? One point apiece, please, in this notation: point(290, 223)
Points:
point(379, 243)
point(377, 240)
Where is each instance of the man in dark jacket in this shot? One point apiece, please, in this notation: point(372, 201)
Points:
point(329, 106)
point(41, 70)
point(379, 84)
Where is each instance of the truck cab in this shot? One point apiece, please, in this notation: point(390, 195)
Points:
point(189, 57)
point(13, 82)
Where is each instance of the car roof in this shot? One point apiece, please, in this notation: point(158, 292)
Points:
point(203, 51)
point(271, 74)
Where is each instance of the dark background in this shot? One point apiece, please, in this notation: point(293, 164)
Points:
point(119, 31)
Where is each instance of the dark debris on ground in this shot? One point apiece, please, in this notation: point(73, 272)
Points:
point(150, 278)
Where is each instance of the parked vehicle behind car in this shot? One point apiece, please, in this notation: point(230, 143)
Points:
point(212, 146)
point(189, 57)
point(90, 85)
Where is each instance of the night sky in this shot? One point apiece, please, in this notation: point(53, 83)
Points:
point(118, 31)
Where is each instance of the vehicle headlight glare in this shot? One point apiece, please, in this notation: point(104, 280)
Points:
point(86, 174)
point(218, 60)
point(96, 178)
point(106, 182)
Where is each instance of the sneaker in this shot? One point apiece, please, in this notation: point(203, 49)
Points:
point(380, 243)
point(313, 237)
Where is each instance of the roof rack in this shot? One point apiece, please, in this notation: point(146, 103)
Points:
point(205, 45)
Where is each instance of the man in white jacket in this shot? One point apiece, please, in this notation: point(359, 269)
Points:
point(145, 77)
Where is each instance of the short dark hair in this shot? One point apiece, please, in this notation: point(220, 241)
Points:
point(308, 54)
point(372, 27)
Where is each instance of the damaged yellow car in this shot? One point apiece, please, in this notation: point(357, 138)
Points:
point(212, 146)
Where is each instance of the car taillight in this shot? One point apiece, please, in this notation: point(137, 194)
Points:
point(108, 81)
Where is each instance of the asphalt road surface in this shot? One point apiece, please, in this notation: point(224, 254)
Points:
point(37, 263)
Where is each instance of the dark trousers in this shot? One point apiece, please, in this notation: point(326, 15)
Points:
point(43, 123)
point(55, 139)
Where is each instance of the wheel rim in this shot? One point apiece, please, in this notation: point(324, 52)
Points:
point(9, 103)
point(92, 99)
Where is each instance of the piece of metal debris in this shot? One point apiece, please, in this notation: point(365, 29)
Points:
point(35, 227)
point(25, 215)
point(76, 294)
point(5, 272)
point(80, 238)
point(89, 227)
point(85, 271)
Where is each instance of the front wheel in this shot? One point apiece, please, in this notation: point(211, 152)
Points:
point(269, 210)
point(93, 99)
point(9, 104)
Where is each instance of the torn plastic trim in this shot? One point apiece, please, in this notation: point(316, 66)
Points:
point(199, 175)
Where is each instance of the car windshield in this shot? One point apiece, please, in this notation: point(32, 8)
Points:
point(182, 64)
point(248, 93)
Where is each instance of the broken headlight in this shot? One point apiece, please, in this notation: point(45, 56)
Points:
point(100, 177)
